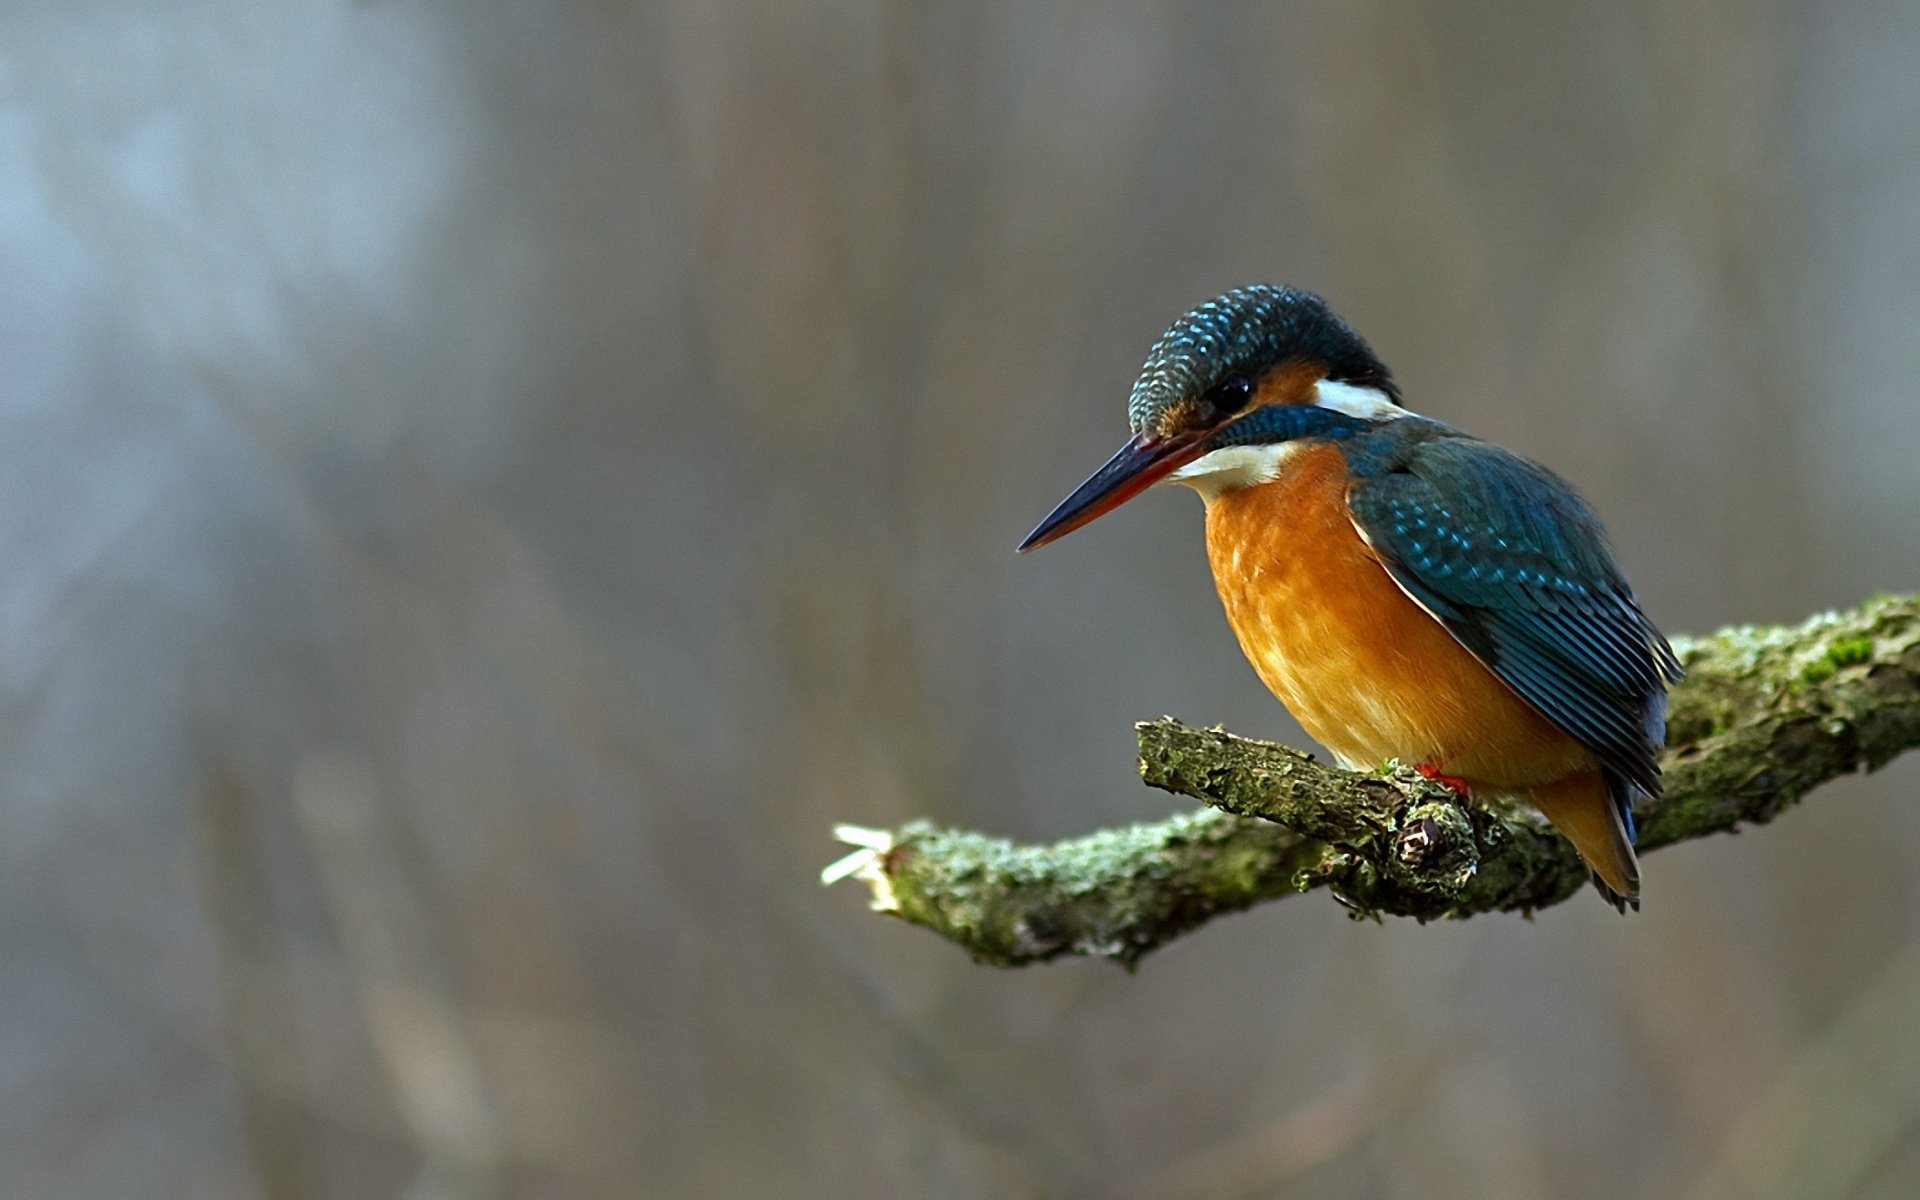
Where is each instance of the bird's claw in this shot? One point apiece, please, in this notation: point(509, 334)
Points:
point(1453, 783)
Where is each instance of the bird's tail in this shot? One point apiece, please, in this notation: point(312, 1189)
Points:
point(1585, 809)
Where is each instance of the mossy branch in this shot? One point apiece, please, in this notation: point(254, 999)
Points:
point(1763, 717)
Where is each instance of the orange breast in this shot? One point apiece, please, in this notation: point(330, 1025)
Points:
point(1366, 671)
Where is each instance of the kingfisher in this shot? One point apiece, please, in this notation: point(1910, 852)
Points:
point(1408, 591)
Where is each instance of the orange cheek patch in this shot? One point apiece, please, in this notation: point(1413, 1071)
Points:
point(1290, 382)
point(1179, 417)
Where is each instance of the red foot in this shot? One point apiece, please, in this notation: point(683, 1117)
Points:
point(1453, 783)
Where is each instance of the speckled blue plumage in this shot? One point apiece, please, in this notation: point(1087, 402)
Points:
point(1246, 331)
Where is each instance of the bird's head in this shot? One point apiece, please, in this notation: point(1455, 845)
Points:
point(1227, 392)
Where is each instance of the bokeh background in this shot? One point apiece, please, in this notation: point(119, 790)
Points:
point(484, 487)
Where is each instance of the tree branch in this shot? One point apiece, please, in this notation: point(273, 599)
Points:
point(1763, 717)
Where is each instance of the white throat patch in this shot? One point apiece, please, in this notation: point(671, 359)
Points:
point(1231, 468)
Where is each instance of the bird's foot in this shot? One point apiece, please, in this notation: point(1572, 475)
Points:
point(1453, 783)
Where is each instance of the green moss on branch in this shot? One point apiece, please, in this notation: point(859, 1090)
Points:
point(1763, 717)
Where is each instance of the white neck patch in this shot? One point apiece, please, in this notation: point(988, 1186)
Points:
point(1368, 404)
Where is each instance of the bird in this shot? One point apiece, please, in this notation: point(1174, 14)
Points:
point(1408, 591)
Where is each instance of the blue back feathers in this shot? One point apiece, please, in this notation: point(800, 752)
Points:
point(1514, 563)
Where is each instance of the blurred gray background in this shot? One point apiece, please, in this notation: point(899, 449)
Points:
point(484, 487)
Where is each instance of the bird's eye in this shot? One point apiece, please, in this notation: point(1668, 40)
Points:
point(1229, 396)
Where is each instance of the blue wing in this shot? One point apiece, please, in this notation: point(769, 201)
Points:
point(1516, 566)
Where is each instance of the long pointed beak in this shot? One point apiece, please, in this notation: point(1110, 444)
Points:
point(1140, 464)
